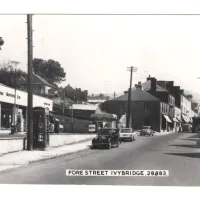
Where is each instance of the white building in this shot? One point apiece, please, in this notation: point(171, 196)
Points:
point(186, 109)
point(8, 99)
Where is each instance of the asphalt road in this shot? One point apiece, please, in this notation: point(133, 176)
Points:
point(178, 153)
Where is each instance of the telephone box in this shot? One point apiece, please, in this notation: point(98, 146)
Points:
point(40, 127)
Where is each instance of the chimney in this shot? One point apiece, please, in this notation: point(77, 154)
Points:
point(139, 85)
point(125, 92)
point(171, 83)
point(153, 83)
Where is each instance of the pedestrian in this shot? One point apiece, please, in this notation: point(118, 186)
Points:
point(179, 129)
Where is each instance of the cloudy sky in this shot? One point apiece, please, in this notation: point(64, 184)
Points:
point(95, 50)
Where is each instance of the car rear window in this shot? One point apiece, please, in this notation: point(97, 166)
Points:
point(146, 127)
point(107, 131)
point(127, 130)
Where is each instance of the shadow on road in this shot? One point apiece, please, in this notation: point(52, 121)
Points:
point(191, 155)
point(185, 145)
point(195, 136)
point(191, 139)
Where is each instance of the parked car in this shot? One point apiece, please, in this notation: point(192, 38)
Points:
point(197, 129)
point(127, 134)
point(106, 137)
point(146, 130)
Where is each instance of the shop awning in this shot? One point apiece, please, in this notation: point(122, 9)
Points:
point(175, 120)
point(185, 118)
point(179, 120)
point(167, 118)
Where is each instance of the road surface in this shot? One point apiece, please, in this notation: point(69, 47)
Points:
point(177, 152)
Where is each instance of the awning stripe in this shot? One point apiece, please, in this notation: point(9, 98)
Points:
point(175, 120)
point(167, 118)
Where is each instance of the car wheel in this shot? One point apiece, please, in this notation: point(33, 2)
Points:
point(131, 139)
point(109, 145)
point(117, 144)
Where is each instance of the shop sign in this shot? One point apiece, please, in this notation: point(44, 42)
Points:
point(7, 95)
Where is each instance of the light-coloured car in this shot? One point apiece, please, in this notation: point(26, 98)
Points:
point(127, 134)
point(146, 130)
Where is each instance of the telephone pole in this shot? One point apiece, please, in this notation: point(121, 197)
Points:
point(1, 42)
point(131, 69)
point(30, 89)
point(63, 103)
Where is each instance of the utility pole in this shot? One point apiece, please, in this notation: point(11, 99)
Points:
point(30, 89)
point(1, 42)
point(63, 103)
point(131, 69)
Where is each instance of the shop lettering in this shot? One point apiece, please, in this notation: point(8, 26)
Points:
point(12, 95)
point(1, 93)
point(47, 104)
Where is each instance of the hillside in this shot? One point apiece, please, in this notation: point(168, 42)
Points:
point(196, 96)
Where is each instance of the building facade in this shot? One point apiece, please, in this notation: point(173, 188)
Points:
point(145, 109)
point(13, 106)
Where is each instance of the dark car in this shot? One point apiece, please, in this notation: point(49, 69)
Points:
point(146, 130)
point(107, 138)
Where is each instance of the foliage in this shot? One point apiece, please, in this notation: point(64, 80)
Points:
point(189, 96)
point(50, 70)
point(75, 94)
point(8, 76)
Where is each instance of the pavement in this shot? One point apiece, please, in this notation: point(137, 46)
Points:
point(177, 152)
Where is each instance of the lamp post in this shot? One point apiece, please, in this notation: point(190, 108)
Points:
point(15, 83)
point(1, 42)
point(72, 116)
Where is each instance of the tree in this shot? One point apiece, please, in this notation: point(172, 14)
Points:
point(189, 96)
point(50, 70)
point(10, 75)
point(75, 94)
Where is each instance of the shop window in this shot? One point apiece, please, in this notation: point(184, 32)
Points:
point(6, 118)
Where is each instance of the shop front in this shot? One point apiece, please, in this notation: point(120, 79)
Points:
point(13, 108)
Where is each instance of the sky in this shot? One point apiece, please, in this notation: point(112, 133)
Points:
point(95, 50)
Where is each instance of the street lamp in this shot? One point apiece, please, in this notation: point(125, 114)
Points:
point(15, 63)
point(72, 120)
point(1, 42)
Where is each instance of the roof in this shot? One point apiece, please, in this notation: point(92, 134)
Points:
point(96, 100)
point(147, 86)
point(85, 107)
point(44, 81)
point(137, 95)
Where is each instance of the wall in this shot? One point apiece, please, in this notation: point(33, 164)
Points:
point(12, 144)
point(63, 139)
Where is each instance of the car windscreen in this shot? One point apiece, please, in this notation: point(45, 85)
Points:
point(126, 130)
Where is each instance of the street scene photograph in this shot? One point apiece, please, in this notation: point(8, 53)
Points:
point(100, 100)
